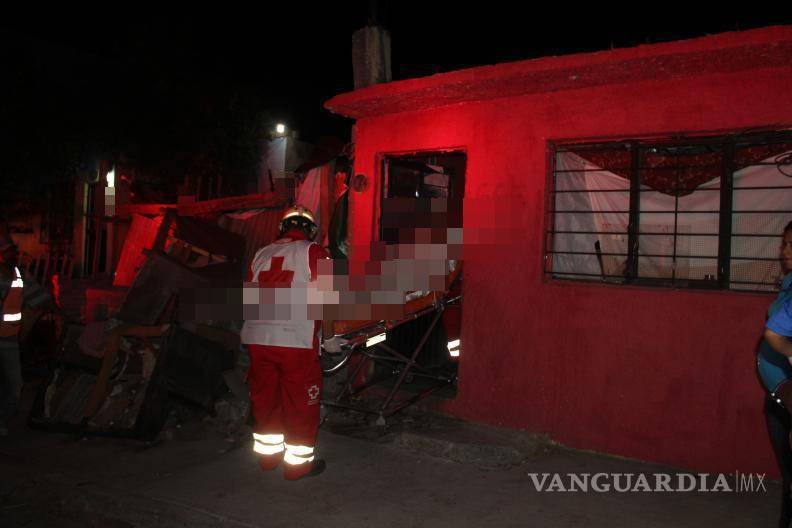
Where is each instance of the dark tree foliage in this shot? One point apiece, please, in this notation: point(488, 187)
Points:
point(192, 93)
point(63, 109)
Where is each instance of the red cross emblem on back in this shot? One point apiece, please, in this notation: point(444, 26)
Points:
point(276, 276)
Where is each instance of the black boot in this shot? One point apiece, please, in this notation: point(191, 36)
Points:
point(317, 467)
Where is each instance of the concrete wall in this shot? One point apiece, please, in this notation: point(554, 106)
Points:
point(654, 374)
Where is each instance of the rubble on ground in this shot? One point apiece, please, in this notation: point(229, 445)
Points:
point(143, 353)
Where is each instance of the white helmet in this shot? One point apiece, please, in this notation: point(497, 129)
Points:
point(300, 218)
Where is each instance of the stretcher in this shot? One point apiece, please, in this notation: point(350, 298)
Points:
point(367, 344)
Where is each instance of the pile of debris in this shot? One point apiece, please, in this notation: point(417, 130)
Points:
point(166, 332)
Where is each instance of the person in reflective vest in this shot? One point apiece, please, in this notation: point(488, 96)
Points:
point(285, 375)
point(16, 292)
point(12, 306)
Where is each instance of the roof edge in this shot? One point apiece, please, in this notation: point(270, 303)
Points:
point(734, 50)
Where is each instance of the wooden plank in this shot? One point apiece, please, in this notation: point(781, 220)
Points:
point(99, 392)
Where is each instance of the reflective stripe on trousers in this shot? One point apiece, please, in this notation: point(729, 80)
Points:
point(297, 455)
point(267, 444)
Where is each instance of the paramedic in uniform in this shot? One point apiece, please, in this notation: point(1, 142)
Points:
point(17, 293)
point(285, 374)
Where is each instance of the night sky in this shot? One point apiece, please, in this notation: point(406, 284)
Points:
point(180, 90)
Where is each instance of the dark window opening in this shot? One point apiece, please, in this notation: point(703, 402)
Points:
point(421, 203)
point(422, 191)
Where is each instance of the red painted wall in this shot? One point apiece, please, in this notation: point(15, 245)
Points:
point(660, 375)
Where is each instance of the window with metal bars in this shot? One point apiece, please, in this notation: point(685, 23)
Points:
point(697, 212)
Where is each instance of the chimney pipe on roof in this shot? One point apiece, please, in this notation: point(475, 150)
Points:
point(371, 56)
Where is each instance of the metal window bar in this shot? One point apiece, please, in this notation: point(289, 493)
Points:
point(750, 211)
point(725, 225)
point(676, 223)
point(654, 255)
point(549, 218)
point(661, 282)
point(583, 273)
point(573, 191)
point(762, 188)
point(651, 167)
point(658, 255)
point(648, 233)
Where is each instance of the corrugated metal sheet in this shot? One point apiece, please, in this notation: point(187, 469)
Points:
point(207, 207)
point(208, 236)
point(259, 228)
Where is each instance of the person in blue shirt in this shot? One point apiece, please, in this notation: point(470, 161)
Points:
point(775, 371)
point(773, 363)
point(778, 332)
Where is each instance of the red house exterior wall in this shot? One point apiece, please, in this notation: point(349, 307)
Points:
point(655, 374)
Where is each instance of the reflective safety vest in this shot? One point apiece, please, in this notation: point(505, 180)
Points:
point(12, 308)
point(284, 266)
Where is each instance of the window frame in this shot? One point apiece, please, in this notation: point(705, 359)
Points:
point(458, 182)
point(728, 143)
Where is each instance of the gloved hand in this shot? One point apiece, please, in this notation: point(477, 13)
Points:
point(334, 344)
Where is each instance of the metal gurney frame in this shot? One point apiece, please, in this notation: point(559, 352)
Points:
point(403, 364)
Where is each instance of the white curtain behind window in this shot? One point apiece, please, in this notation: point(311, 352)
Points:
point(591, 212)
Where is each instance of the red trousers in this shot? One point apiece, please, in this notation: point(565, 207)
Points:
point(285, 391)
